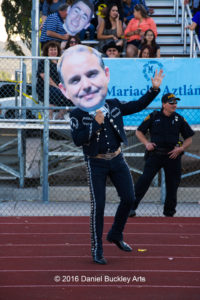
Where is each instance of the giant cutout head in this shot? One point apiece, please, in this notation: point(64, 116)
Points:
point(78, 16)
point(84, 78)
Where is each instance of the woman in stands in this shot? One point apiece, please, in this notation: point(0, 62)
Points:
point(110, 29)
point(56, 97)
point(72, 41)
point(146, 52)
point(150, 40)
point(136, 28)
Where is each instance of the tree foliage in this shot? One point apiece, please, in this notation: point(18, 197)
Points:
point(17, 15)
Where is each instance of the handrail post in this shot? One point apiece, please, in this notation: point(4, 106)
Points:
point(191, 44)
point(175, 6)
point(45, 184)
point(20, 132)
point(177, 10)
point(163, 187)
point(185, 38)
point(183, 21)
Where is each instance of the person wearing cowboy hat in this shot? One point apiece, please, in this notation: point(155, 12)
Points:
point(111, 50)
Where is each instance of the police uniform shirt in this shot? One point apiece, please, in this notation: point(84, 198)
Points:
point(165, 131)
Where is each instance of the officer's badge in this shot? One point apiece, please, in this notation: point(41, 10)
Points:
point(147, 118)
point(176, 118)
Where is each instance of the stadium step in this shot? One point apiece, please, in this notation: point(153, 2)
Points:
point(165, 3)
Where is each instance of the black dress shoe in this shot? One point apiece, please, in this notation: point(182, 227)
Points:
point(169, 213)
point(132, 213)
point(120, 244)
point(100, 260)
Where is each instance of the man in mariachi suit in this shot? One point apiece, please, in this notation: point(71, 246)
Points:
point(97, 126)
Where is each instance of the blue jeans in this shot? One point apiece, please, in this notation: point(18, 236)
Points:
point(91, 30)
point(118, 171)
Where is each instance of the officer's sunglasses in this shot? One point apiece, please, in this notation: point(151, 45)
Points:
point(172, 103)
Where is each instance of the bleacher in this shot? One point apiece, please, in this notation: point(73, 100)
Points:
point(173, 39)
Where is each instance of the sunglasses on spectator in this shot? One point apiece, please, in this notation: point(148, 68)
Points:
point(73, 42)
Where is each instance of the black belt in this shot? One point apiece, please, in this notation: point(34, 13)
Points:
point(162, 151)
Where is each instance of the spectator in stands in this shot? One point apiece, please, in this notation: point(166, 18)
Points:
point(72, 41)
point(195, 5)
point(53, 26)
point(50, 7)
point(56, 97)
point(128, 8)
point(146, 52)
point(195, 22)
point(150, 40)
point(136, 29)
point(110, 28)
point(101, 7)
point(111, 50)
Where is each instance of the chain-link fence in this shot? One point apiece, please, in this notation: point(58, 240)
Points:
point(43, 173)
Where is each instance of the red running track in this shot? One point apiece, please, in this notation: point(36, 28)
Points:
point(48, 258)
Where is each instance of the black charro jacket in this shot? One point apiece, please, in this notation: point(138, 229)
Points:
point(85, 129)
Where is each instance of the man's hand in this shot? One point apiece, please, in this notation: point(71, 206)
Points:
point(66, 36)
point(175, 152)
point(99, 116)
point(157, 79)
point(150, 146)
point(191, 26)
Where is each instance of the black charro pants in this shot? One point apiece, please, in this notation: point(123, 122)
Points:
point(172, 169)
point(118, 171)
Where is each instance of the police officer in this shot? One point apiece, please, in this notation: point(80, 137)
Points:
point(163, 151)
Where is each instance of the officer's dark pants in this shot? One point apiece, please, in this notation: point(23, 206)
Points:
point(118, 171)
point(172, 168)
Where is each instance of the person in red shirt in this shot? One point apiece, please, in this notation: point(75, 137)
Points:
point(136, 28)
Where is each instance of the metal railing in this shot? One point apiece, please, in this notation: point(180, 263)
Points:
point(186, 19)
point(73, 156)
